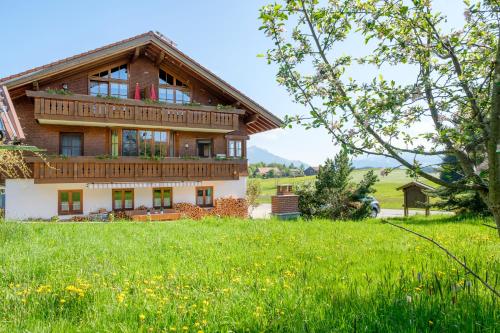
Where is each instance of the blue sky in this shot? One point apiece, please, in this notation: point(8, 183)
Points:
point(222, 35)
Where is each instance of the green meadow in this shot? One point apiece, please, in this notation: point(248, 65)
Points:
point(247, 276)
point(386, 192)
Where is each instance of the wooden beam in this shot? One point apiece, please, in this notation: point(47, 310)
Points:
point(252, 119)
point(137, 53)
point(159, 59)
point(36, 86)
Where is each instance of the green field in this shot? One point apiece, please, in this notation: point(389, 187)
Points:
point(232, 275)
point(386, 193)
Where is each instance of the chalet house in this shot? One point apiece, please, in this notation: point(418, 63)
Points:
point(268, 172)
point(311, 171)
point(134, 123)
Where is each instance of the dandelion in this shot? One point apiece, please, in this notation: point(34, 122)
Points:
point(185, 328)
point(62, 301)
point(142, 317)
point(120, 297)
point(43, 289)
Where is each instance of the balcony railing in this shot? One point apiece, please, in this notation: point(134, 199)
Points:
point(85, 110)
point(130, 169)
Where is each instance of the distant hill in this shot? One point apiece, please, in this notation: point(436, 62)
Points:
point(373, 161)
point(257, 154)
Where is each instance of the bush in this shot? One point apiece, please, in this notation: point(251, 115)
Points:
point(333, 195)
point(254, 191)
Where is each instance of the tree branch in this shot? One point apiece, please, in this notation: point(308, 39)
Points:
point(451, 255)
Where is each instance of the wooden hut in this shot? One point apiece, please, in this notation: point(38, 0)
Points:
point(415, 196)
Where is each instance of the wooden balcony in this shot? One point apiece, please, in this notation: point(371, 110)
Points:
point(131, 169)
point(84, 110)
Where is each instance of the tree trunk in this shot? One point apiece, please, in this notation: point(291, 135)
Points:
point(494, 143)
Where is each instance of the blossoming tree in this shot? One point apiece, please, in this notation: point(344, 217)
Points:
point(455, 86)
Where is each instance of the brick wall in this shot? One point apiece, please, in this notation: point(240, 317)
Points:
point(77, 83)
point(282, 204)
point(95, 139)
point(145, 72)
point(183, 138)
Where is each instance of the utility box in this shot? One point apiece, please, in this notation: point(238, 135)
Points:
point(285, 204)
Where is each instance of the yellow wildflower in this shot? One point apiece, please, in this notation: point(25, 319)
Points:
point(43, 289)
point(142, 317)
point(120, 297)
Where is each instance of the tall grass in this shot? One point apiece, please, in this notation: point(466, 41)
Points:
point(232, 275)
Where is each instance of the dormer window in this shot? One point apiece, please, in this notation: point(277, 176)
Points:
point(172, 89)
point(112, 81)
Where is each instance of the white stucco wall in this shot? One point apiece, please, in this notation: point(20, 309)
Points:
point(24, 199)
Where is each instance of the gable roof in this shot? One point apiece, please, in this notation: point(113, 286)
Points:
point(416, 184)
point(259, 119)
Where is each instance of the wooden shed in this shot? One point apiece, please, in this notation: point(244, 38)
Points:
point(415, 196)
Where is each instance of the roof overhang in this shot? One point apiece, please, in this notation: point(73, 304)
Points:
point(9, 122)
point(415, 184)
point(258, 118)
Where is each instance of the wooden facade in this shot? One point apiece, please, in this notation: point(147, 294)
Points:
point(94, 96)
point(88, 110)
point(129, 169)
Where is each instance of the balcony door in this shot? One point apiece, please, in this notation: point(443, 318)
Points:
point(204, 148)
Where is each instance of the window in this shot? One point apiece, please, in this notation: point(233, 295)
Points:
point(172, 89)
point(162, 198)
point(145, 143)
point(129, 142)
point(123, 199)
point(160, 144)
point(70, 202)
point(234, 148)
point(112, 81)
point(204, 148)
point(205, 196)
point(114, 143)
point(71, 144)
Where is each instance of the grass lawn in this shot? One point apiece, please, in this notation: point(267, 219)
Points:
point(386, 193)
point(232, 275)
